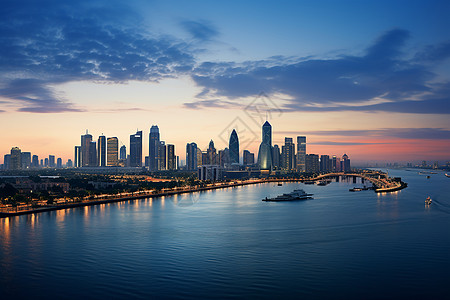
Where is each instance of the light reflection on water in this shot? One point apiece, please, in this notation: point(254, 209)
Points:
point(229, 243)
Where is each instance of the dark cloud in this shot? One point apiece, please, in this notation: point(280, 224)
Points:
point(338, 84)
point(53, 42)
point(201, 30)
point(400, 133)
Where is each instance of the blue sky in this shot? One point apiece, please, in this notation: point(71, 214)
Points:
point(322, 58)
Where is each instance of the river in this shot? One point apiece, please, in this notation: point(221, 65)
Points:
point(227, 243)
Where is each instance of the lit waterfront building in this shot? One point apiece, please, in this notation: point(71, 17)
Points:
point(153, 148)
point(301, 154)
point(265, 149)
point(162, 158)
point(211, 154)
point(233, 147)
point(171, 158)
point(276, 157)
point(15, 161)
point(249, 158)
point(191, 156)
point(210, 172)
point(136, 149)
point(287, 154)
point(85, 149)
point(345, 163)
point(312, 163)
point(113, 151)
point(77, 158)
point(101, 151)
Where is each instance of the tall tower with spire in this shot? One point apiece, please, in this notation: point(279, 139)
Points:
point(265, 149)
point(234, 147)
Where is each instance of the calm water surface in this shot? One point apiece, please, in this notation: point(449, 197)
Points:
point(229, 244)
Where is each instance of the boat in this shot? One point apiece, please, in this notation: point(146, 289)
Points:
point(308, 182)
point(428, 177)
point(292, 196)
point(323, 182)
point(280, 184)
point(447, 175)
point(355, 189)
point(428, 201)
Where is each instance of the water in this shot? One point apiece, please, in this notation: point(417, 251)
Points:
point(230, 244)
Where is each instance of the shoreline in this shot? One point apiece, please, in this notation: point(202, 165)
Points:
point(213, 186)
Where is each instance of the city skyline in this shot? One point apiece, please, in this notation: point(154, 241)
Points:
point(366, 79)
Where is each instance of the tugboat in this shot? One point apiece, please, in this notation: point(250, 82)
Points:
point(428, 201)
point(295, 195)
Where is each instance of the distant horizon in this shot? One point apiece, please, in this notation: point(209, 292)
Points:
point(369, 79)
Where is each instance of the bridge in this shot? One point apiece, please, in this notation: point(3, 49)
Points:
point(380, 180)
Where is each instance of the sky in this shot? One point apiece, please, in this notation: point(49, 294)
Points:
point(367, 78)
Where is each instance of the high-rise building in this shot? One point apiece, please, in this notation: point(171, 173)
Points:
point(249, 158)
point(46, 162)
point(265, 149)
point(25, 160)
point(224, 158)
point(59, 163)
point(312, 163)
point(153, 148)
point(123, 152)
point(212, 154)
point(301, 153)
point(345, 163)
point(233, 147)
point(113, 151)
point(325, 164)
point(7, 162)
point(171, 158)
point(276, 157)
point(101, 151)
point(85, 149)
point(287, 154)
point(162, 158)
point(15, 162)
point(51, 161)
point(69, 163)
point(191, 156)
point(136, 149)
point(93, 161)
point(199, 157)
point(35, 161)
point(77, 158)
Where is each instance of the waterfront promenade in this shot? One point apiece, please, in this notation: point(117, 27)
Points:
point(383, 185)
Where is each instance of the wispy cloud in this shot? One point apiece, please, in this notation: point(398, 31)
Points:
point(339, 84)
point(399, 133)
point(201, 30)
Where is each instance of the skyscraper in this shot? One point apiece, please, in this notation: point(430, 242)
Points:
point(345, 163)
point(288, 154)
point(301, 154)
point(162, 158)
point(191, 156)
point(85, 149)
point(15, 161)
point(51, 161)
point(113, 151)
point(212, 154)
point(248, 158)
point(77, 158)
point(35, 161)
point(59, 163)
point(153, 146)
point(325, 164)
point(199, 157)
point(7, 162)
point(123, 152)
point(93, 161)
point(233, 147)
point(136, 149)
point(312, 163)
point(171, 158)
point(25, 160)
point(276, 157)
point(265, 149)
point(101, 151)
